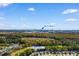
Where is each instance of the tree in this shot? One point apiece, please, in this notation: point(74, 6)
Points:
point(24, 52)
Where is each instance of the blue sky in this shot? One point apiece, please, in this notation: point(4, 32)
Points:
point(35, 16)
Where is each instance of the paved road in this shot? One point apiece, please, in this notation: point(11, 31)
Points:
point(8, 49)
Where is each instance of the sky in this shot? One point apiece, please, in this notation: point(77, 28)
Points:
point(62, 16)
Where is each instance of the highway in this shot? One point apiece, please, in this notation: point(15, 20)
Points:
point(8, 49)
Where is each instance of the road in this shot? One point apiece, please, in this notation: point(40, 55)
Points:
point(8, 49)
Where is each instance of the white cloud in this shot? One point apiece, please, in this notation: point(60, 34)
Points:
point(1, 18)
point(71, 19)
point(52, 24)
point(31, 9)
point(1, 24)
point(69, 11)
point(7, 26)
point(4, 4)
point(24, 25)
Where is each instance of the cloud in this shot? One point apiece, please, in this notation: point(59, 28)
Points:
point(24, 25)
point(7, 26)
point(4, 4)
point(52, 24)
point(1, 24)
point(71, 19)
point(4, 25)
point(1, 18)
point(31, 9)
point(70, 11)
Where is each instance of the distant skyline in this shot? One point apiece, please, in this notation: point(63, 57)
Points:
point(63, 16)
